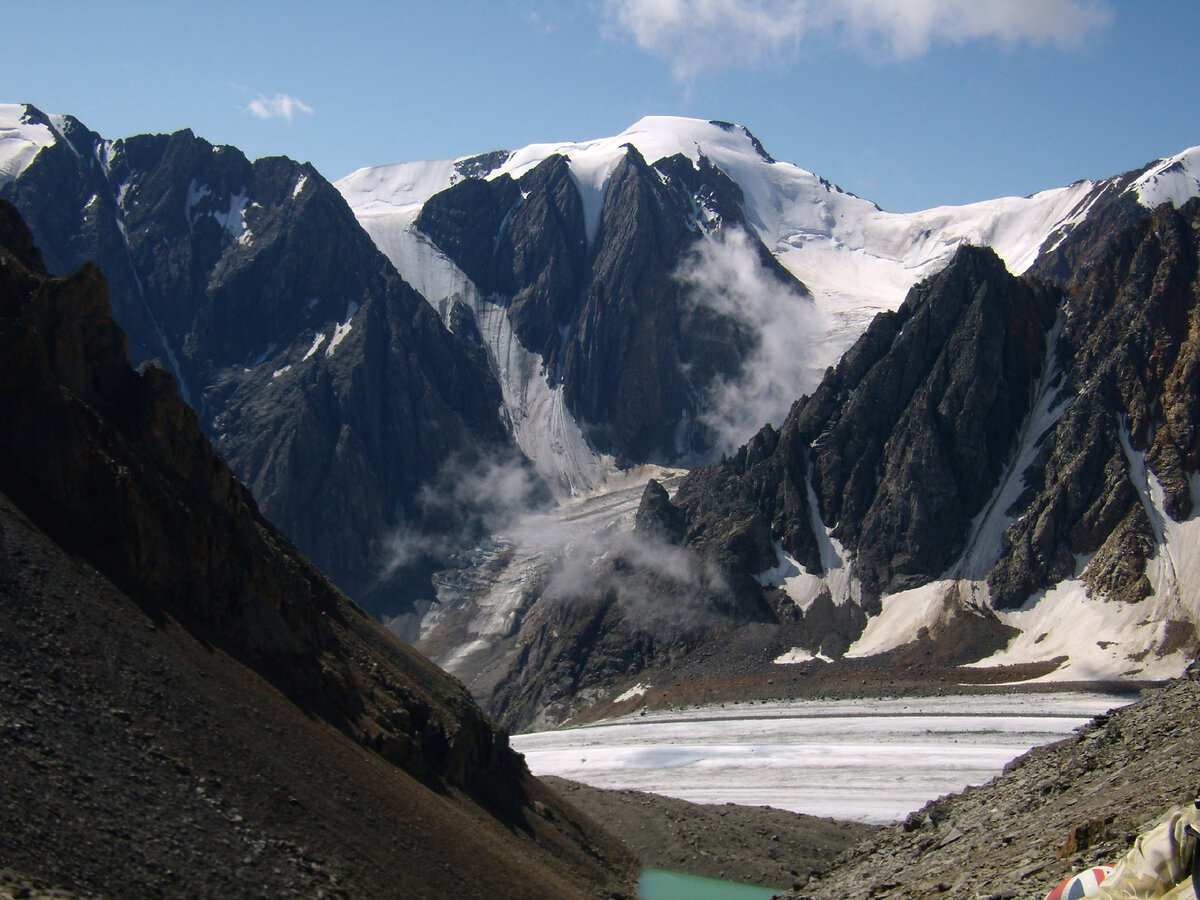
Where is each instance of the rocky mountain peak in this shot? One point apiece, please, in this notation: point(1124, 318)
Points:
point(250, 282)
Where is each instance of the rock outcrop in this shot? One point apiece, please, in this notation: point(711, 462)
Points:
point(1054, 812)
point(1130, 354)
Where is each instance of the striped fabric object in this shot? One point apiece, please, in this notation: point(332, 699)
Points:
point(1080, 885)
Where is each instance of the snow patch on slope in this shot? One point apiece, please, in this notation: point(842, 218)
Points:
point(903, 617)
point(20, 140)
point(802, 587)
point(400, 190)
point(341, 329)
point(541, 424)
point(1097, 638)
point(1175, 180)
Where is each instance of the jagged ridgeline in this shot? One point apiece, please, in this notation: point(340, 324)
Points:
point(997, 436)
point(332, 388)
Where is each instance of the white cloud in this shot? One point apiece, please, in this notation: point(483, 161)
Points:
point(726, 275)
point(281, 106)
point(465, 501)
point(698, 36)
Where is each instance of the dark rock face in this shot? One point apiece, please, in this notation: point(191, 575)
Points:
point(905, 441)
point(657, 517)
point(115, 466)
point(112, 467)
point(606, 312)
point(950, 397)
point(902, 443)
point(329, 384)
point(1130, 356)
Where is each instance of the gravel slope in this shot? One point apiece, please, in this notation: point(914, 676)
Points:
point(750, 844)
point(1055, 810)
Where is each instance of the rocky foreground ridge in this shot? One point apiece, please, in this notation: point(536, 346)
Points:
point(1056, 810)
point(190, 706)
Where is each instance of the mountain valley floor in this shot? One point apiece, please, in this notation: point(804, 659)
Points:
point(1058, 809)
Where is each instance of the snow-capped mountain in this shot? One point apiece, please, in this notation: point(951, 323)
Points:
point(853, 261)
point(966, 445)
point(590, 258)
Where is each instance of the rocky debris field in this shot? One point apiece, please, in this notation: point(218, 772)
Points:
point(15, 886)
point(1056, 810)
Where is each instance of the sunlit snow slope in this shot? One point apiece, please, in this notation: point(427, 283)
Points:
point(20, 140)
point(854, 257)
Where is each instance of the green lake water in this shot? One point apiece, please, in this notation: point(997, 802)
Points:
point(657, 884)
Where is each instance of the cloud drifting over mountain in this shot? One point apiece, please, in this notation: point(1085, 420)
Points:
point(726, 275)
point(696, 36)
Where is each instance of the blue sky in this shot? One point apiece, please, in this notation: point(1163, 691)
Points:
point(910, 103)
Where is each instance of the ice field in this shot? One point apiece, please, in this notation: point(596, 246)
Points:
point(866, 760)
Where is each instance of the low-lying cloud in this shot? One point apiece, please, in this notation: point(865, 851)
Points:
point(468, 500)
point(660, 588)
point(569, 553)
point(705, 36)
point(725, 274)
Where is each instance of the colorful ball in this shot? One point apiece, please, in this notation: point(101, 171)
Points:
point(1082, 884)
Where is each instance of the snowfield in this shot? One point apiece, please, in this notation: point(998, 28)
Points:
point(20, 141)
point(864, 760)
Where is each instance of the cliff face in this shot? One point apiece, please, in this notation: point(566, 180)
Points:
point(330, 386)
point(1130, 356)
point(138, 524)
point(903, 442)
point(1057, 414)
point(602, 302)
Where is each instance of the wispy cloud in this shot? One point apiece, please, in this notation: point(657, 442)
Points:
point(700, 36)
point(726, 275)
point(281, 106)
